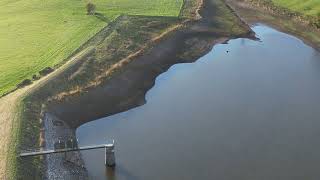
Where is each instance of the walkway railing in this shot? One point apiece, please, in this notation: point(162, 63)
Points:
point(109, 152)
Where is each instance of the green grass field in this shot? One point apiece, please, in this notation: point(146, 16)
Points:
point(35, 34)
point(307, 7)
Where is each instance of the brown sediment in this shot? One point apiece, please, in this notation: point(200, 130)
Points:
point(278, 18)
point(99, 79)
point(124, 84)
point(132, 77)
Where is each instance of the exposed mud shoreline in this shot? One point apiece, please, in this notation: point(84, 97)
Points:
point(126, 87)
point(252, 14)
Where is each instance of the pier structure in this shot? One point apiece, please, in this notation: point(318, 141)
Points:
point(109, 151)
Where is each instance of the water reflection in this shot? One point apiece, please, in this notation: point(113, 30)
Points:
point(252, 113)
point(113, 173)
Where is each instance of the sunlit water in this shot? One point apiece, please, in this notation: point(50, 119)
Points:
point(250, 114)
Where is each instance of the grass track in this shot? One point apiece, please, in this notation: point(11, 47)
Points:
point(35, 34)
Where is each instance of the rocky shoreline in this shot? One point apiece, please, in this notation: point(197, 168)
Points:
point(64, 165)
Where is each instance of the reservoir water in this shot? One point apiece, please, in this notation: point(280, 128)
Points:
point(250, 114)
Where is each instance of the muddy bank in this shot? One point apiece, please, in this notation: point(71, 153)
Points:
point(251, 13)
point(230, 105)
point(117, 41)
point(126, 88)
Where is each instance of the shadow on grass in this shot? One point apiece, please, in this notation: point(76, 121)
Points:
point(101, 17)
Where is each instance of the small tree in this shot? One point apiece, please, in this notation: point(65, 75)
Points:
point(91, 8)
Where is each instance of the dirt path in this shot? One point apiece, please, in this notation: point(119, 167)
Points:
point(9, 109)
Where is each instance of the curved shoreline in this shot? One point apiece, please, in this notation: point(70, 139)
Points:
point(126, 87)
point(253, 14)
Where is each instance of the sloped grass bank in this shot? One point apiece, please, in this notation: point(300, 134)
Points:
point(307, 7)
point(111, 51)
point(298, 11)
point(283, 19)
point(35, 34)
point(117, 41)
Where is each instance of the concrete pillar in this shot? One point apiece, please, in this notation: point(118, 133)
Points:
point(110, 159)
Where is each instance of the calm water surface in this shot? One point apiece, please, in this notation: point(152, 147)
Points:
point(250, 114)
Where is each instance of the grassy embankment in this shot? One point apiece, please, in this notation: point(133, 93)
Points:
point(305, 12)
point(294, 17)
point(117, 43)
point(306, 7)
point(36, 34)
point(123, 38)
point(308, 10)
point(48, 33)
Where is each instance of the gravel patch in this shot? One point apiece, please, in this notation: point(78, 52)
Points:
point(65, 165)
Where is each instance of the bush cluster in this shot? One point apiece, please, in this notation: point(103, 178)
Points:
point(91, 8)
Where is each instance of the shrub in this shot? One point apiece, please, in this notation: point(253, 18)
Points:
point(46, 71)
point(35, 77)
point(91, 8)
point(24, 83)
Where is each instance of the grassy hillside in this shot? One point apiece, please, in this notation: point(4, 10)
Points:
point(35, 34)
point(307, 7)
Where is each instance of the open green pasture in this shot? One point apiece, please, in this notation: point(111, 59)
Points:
point(35, 34)
point(307, 7)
